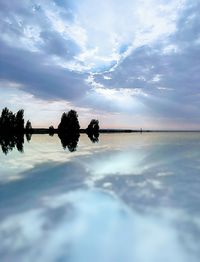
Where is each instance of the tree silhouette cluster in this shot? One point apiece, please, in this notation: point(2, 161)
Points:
point(69, 130)
point(12, 130)
point(11, 123)
point(69, 123)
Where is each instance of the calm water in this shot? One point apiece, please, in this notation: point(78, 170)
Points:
point(129, 197)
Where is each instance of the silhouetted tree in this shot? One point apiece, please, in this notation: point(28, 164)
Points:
point(28, 127)
point(69, 123)
point(7, 121)
point(51, 131)
point(93, 127)
point(11, 123)
point(11, 130)
point(63, 123)
point(19, 121)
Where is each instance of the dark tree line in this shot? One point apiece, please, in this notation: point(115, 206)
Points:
point(12, 130)
point(11, 123)
point(69, 124)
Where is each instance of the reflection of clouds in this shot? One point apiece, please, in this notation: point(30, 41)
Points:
point(165, 174)
point(42, 149)
point(38, 184)
point(96, 227)
point(25, 227)
point(164, 154)
point(118, 163)
point(47, 214)
point(152, 168)
point(134, 153)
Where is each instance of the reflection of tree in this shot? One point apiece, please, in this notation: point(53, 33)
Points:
point(8, 142)
point(69, 140)
point(93, 137)
point(28, 136)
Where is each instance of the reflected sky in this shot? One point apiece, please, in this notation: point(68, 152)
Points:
point(129, 197)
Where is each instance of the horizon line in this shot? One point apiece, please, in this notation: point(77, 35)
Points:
point(130, 130)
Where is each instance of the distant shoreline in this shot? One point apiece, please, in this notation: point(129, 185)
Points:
point(83, 131)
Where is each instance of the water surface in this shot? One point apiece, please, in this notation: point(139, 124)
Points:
point(129, 197)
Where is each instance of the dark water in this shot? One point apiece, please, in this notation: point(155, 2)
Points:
point(130, 197)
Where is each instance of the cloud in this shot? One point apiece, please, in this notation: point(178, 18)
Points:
point(39, 75)
point(54, 44)
point(52, 48)
point(97, 33)
point(166, 71)
point(111, 35)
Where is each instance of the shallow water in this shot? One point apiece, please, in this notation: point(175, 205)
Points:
point(129, 197)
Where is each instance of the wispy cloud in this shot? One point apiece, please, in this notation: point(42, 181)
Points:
point(89, 53)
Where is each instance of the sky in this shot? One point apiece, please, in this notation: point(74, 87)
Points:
point(130, 64)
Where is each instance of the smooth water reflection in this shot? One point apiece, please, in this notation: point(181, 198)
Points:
point(130, 197)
